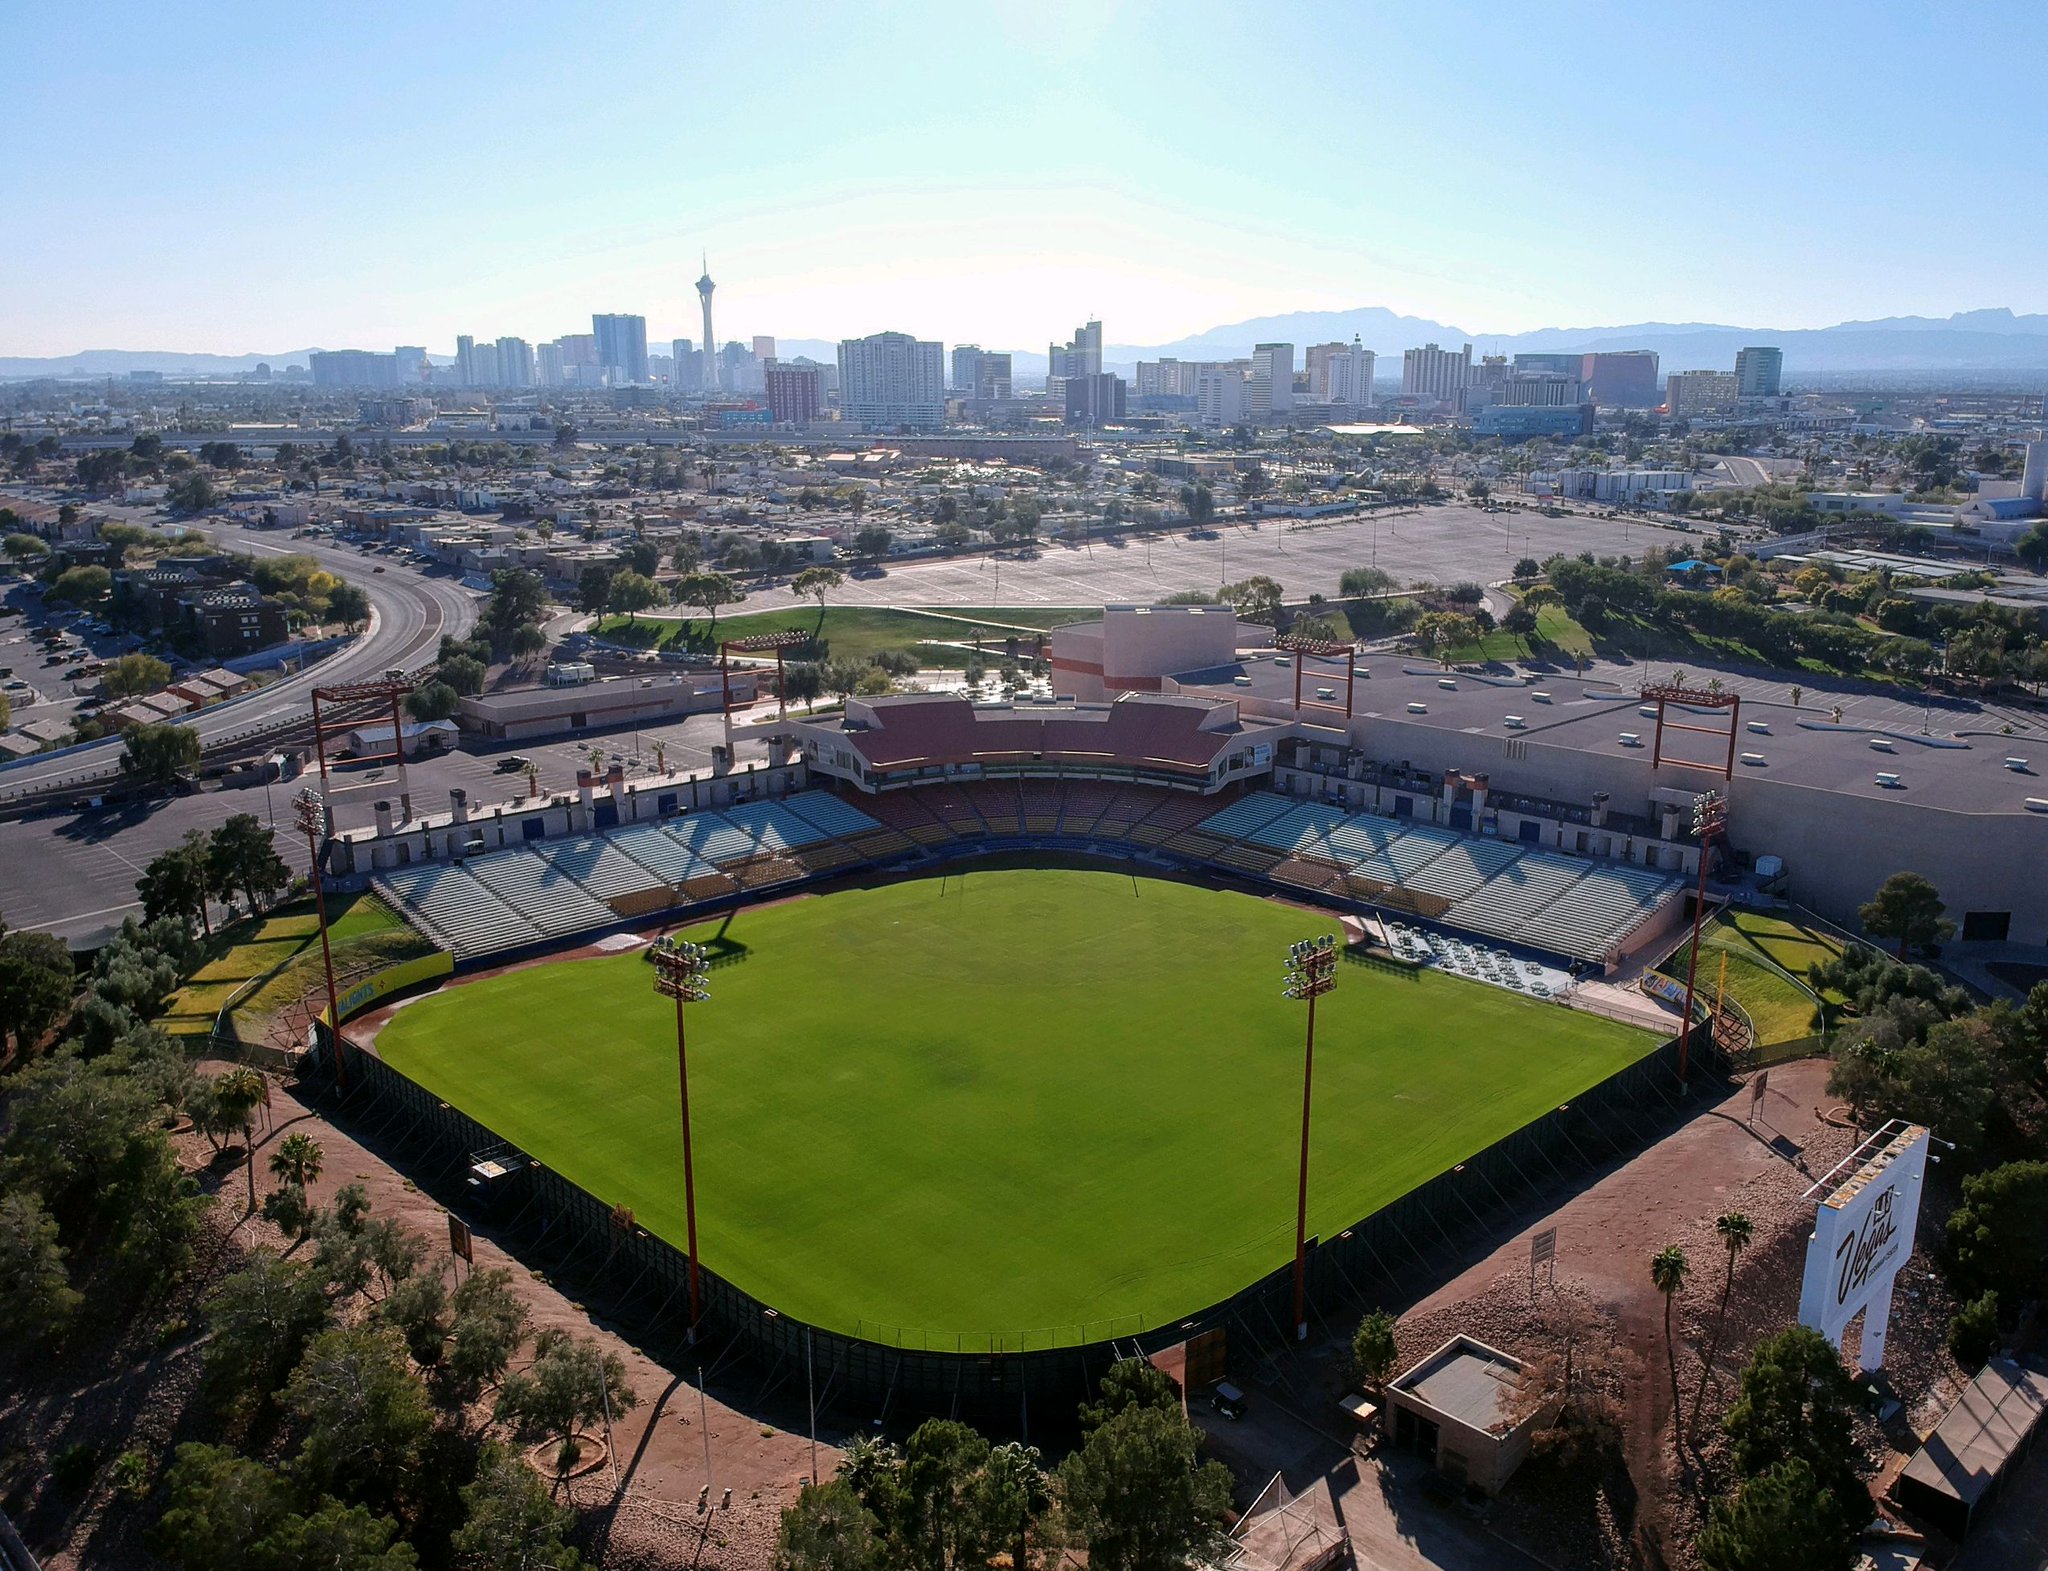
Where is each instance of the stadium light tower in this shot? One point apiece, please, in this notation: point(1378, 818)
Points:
point(1709, 821)
point(311, 813)
point(1311, 972)
point(679, 974)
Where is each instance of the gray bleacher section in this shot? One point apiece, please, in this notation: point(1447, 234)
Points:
point(469, 917)
point(553, 888)
point(1501, 888)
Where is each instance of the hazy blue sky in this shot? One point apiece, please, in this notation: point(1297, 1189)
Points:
point(260, 178)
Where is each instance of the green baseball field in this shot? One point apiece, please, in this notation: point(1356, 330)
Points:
point(1002, 1108)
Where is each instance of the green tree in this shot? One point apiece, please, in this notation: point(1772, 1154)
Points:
point(817, 583)
point(464, 675)
point(23, 547)
point(510, 1524)
point(1998, 1235)
point(179, 882)
point(1255, 599)
point(1198, 502)
point(707, 592)
point(1906, 907)
point(1013, 1498)
point(1527, 567)
point(871, 543)
point(2031, 548)
point(262, 1318)
point(244, 857)
point(297, 1159)
point(1797, 1403)
point(1374, 1352)
point(529, 643)
point(1783, 1519)
point(336, 1537)
point(828, 1529)
point(238, 1092)
point(192, 494)
point(803, 682)
point(643, 557)
point(1973, 1330)
point(633, 593)
point(1519, 620)
point(360, 1416)
point(432, 701)
point(133, 674)
point(80, 586)
point(222, 1509)
point(569, 1384)
point(1668, 1271)
point(349, 605)
point(1735, 1230)
point(942, 1528)
point(593, 587)
point(36, 1296)
point(159, 754)
point(1138, 1492)
point(37, 981)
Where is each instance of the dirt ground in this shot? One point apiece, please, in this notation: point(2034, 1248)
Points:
point(1670, 1193)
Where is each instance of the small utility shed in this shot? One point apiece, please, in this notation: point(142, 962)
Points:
point(1458, 1407)
point(1958, 1471)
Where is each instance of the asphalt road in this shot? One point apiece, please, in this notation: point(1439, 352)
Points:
point(73, 874)
point(410, 613)
point(1445, 544)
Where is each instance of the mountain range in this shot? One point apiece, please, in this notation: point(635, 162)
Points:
point(1993, 339)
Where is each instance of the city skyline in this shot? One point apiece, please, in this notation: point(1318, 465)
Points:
point(1124, 204)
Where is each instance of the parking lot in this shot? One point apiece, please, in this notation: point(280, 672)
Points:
point(50, 678)
point(1443, 544)
point(73, 873)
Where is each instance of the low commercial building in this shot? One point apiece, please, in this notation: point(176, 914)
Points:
point(1520, 422)
point(1458, 1408)
point(1131, 646)
point(610, 703)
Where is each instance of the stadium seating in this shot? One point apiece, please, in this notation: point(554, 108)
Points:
point(600, 866)
point(467, 916)
point(541, 892)
point(1503, 889)
point(839, 819)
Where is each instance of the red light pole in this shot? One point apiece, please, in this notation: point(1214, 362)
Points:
point(679, 974)
point(311, 814)
point(1709, 819)
point(1311, 972)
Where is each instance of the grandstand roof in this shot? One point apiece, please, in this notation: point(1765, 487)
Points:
point(1138, 728)
point(1959, 765)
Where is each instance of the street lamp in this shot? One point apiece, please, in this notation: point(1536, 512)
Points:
point(679, 974)
point(1709, 820)
point(1311, 972)
point(311, 812)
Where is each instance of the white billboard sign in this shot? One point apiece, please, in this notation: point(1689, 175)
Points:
point(1862, 1238)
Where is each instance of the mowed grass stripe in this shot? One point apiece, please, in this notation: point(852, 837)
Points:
point(1011, 1101)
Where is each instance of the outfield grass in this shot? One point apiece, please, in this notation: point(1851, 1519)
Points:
point(999, 1103)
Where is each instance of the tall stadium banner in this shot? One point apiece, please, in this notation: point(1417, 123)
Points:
point(392, 979)
point(1862, 1238)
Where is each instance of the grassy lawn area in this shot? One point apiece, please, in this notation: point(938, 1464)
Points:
point(1007, 1102)
point(1757, 945)
point(851, 632)
point(1557, 636)
point(249, 950)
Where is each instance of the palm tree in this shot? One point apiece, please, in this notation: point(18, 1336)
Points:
point(1668, 1271)
point(240, 1092)
point(1736, 1231)
point(297, 1160)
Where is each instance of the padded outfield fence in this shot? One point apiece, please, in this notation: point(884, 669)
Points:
point(1005, 1382)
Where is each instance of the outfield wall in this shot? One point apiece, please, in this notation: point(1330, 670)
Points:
point(641, 1280)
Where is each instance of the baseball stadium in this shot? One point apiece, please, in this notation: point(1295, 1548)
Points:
point(983, 1044)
